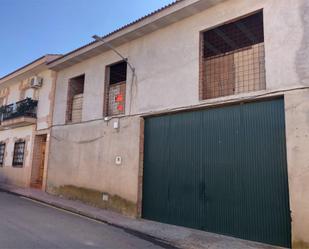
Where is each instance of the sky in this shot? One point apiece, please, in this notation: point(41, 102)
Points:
point(30, 29)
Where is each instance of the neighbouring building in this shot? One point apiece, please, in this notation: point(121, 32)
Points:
point(204, 125)
point(26, 100)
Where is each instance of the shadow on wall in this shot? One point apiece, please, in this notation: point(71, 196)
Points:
point(4, 179)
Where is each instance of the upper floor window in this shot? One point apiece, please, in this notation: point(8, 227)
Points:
point(2, 151)
point(18, 155)
point(75, 99)
point(115, 89)
point(232, 58)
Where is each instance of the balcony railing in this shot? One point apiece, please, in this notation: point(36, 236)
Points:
point(23, 108)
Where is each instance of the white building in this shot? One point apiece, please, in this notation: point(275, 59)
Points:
point(27, 98)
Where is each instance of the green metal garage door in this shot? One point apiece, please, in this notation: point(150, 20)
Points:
point(221, 170)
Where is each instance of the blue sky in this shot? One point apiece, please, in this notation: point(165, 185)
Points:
point(32, 28)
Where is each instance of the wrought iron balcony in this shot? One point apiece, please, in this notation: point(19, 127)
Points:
point(18, 114)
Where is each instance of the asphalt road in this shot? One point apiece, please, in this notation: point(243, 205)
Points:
point(26, 224)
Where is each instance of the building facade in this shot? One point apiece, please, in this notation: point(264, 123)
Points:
point(26, 116)
point(204, 124)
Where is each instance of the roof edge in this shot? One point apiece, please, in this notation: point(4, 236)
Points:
point(44, 60)
point(130, 26)
point(146, 24)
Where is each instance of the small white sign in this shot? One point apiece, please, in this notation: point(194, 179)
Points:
point(118, 160)
point(105, 197)
point(116, 124)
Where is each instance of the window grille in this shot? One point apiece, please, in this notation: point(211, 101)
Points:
point(75, 99)
point(116, 89)
point(18, 156)
point(233, 59)
point(2, 150)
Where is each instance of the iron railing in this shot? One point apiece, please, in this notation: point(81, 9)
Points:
point(23, 108)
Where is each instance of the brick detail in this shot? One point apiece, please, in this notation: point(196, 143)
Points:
point(112, 105)
point(116, 99)
point(75, 87)
point(77, 108)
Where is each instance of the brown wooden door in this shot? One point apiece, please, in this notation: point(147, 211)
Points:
point(41, 169)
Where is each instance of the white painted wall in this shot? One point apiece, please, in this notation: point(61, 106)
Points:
point(167, 68)
point(44, 94)
point(297, 132)
point(87, 157)
point(167, 61)
point(21, 176)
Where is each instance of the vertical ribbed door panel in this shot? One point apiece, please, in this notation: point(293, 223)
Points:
point(221, 170)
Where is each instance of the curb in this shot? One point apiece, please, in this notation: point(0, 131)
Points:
point(150, 238)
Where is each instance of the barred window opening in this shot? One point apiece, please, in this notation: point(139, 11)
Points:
point(233, 58)
point(18, 156)
point(75, 99)
point(2, 151)
point(115, 90)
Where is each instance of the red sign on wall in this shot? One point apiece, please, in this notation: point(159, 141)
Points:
point(119, 98)
point(120, 107)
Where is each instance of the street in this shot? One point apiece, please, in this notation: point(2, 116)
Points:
point(27, 224)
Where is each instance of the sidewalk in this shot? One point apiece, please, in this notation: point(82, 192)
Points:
point(177, 236)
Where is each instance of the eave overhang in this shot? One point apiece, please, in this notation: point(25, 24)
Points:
point(28, 70)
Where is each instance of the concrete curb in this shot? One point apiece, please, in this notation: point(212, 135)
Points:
point(155, 240)
point(163, 235)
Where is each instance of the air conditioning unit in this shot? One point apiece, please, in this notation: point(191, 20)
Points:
point(36, 82)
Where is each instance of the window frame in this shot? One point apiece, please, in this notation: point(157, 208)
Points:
point(70, 97)
point(107, 87)
point(201, 70)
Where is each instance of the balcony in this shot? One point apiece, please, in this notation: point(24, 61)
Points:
point(21, 113)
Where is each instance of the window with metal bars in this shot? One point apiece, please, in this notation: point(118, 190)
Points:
point(18, 156)
point(115, 89)
point(2, 151)
point(75, 99)
point(233, 58)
